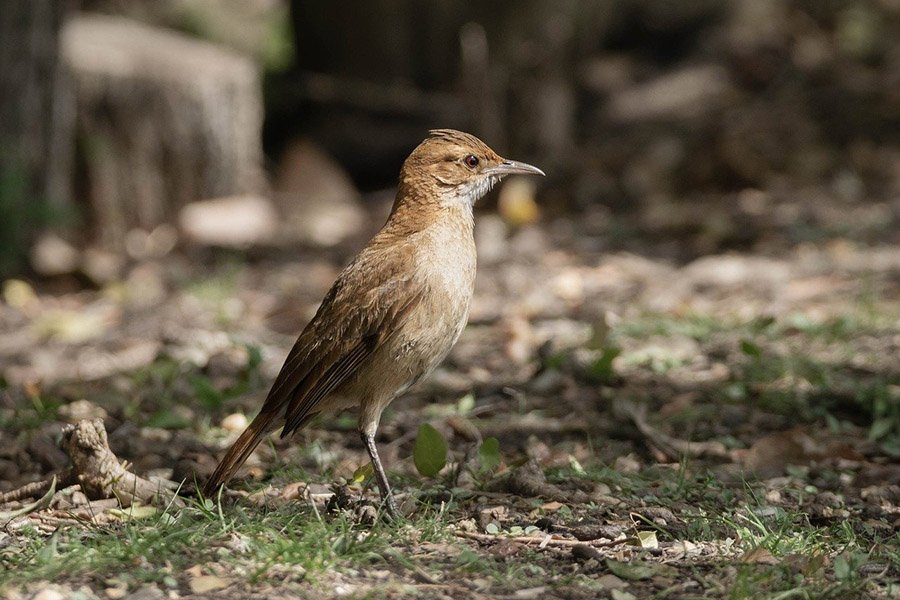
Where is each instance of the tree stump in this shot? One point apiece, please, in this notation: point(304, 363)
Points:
point(162, 120)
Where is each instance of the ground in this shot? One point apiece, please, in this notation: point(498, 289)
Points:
point(723, 426)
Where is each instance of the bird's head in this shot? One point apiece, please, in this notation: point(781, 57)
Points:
point(456, 168)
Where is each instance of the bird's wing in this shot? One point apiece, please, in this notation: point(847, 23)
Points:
point(351, 324)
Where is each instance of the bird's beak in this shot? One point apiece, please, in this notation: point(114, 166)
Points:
point(512, 167)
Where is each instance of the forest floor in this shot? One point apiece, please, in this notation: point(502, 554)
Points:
point(727, 426)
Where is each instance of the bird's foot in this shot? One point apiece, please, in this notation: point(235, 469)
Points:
point(390, 508)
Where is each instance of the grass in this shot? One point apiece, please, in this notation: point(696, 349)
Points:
point(775, 540)
point(293, 544)
point(795, 366)
point(785, 554)
point(248, 541)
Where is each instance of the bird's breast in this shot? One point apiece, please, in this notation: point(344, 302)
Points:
point(445, 262)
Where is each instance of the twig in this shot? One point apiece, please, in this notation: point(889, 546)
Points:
point(40, 504)
point(541, 541)
point(672, 447)
point(38, 488)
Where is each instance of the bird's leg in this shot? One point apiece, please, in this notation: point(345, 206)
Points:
point(380, 476)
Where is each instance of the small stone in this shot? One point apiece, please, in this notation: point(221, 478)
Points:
point(585, 553)
point(102, 266)
point(627, 464)
point(612, 582)
point(535, 592)
point(48, 594)
point(207, 583)
point(234, 222)
point(52, 255)
point(235, 422)
point(81, 409)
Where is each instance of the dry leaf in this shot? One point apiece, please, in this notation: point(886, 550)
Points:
point(195, 571)
point(647, 539)
point(516, 203)
point(759, 555)
point(134, 512)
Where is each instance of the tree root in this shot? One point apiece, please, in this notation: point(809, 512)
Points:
point(99, 473)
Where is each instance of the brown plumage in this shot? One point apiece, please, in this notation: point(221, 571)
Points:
point(395, 310)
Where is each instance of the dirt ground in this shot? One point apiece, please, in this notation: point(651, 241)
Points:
point(721, 426)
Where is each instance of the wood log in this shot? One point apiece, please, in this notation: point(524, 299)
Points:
point(162, 120)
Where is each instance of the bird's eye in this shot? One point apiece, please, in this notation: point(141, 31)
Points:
point(471, 161)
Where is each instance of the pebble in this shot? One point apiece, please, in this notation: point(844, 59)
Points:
point(235, 422)
point(48, 594)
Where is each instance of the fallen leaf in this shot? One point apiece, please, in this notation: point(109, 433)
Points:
point(516, 203)
point(611, 582)
point(429, 451)
point(363, 473)
point(293, 490)
point(647, 539)
point(489, 454)
point(74, 327)
point(770, 455)
point(575, 465)
point(465, 404)
point(134, 513)
point(637, 570)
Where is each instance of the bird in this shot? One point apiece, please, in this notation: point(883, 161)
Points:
point(395, 310)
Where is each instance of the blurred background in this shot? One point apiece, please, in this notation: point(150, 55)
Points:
point(670, 128)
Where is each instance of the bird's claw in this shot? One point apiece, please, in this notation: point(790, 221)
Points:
point(391, 510)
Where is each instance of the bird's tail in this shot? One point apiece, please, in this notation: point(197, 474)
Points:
point(239, 452)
